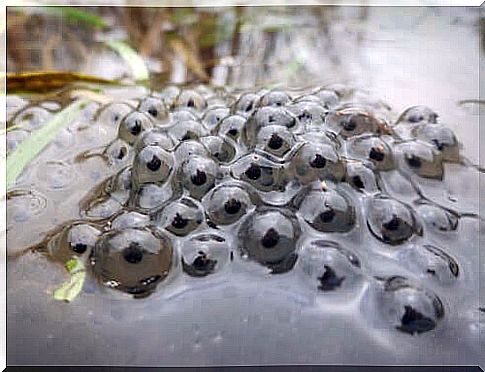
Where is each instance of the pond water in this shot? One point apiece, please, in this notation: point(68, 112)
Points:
point(362, 288)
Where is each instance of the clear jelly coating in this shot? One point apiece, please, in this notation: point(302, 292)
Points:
point(269, 236)
point(408, 308)
point(329, 267)
point(132, 260)
point(306, 184)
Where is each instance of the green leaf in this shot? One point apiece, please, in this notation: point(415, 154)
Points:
point(71, 264)
point(77, 15)
point(137, 65)
point(35, 143)
point(69, 290)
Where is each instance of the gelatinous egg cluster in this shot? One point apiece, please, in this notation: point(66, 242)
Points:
point(208, 178)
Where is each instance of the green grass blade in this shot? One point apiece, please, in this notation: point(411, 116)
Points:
point(137, 65)
point(69, 290)
point(34, 144)
point(77, 15)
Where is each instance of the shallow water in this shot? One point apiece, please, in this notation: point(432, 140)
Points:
point(228, 316)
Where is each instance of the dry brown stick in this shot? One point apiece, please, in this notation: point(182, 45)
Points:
point(191, 60)
point(134, 33)
point(152, 35)
point(48, 50)
point(15, 31)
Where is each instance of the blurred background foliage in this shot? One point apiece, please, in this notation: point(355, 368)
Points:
point(222, 45)
point(239, 46)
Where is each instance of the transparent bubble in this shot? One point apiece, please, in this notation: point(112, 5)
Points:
point(442, 138)
point(132, 260)
point(214, 116)
point(309, 113)
point(121, 186)
point(219, 148)
point(327, 210)
point(422, 159)
point(328, 267)
point(321, 137)
point(246, 104)
point(391, 221)
point(430, 262)
point(328, 98)
point(275, 139)
point(188, 130)
point(152, 164)
point(274, 98)
point(152, 196)
point(169, 95)
point(187, 149)
point(408, 308)
point(374, 150)
point(227, 204)
point(73, 241)
point(315, 161)
point(418, 114)
point(266, 116)
point(118, 152)
point(108, 197)
point(130, 220)
point(204, 254)
point(133, 125)
point(113, 113)
point(180, 217)
point(260, 173)
point(182, 114)
point(155, 108)
point(351, 122)
point(155, 137)
point(437, 218)
point(232, 126)
point(198, 175)
point(361, 178)
point(269, 237)
point(191, 99)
